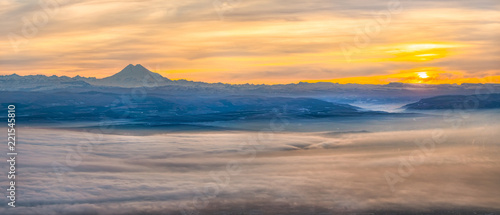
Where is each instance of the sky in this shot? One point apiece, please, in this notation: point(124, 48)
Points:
point(256, 41)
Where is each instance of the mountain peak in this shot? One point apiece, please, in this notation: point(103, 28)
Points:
point(129, 66)
point(134, 76)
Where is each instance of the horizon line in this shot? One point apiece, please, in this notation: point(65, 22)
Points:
point(299, 82)
point(420, 79)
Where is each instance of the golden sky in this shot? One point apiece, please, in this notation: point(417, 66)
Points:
point(256, 41)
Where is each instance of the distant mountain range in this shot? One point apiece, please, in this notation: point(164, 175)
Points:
point(479, 101)
point(139, 94)
point(164, 109)
point(139, 77)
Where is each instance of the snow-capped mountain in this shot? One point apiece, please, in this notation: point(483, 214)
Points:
point(132, 76)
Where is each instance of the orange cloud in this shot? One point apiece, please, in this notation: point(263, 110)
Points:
point(272, 41)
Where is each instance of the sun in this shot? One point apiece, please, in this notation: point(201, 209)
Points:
point(422, 75)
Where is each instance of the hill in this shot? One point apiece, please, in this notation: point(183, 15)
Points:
point(481, 101)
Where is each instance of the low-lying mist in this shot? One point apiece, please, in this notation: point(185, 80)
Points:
point(439, 163)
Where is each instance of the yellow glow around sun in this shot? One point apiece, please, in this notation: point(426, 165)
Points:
point(423, 75)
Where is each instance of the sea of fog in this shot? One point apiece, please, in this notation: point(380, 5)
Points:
point(438, 163)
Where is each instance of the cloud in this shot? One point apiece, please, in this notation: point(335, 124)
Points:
point(97, 38)
point(293, 171)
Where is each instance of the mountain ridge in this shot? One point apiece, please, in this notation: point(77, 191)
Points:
point(137, 76)
point(461, 102)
